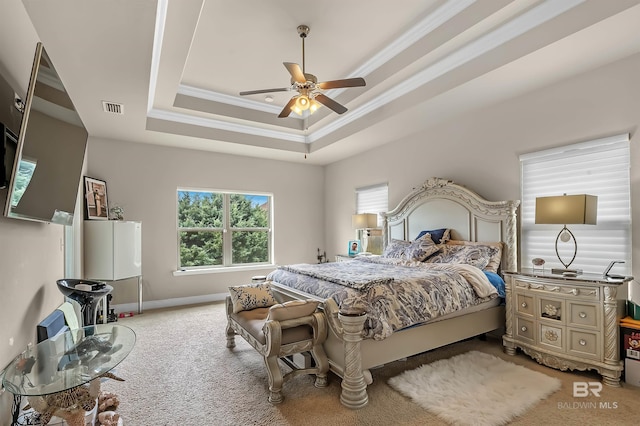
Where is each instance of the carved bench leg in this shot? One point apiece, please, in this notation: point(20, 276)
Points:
point(354, 386)
point(231, 341)
point(275, 379)
point(322, 365)
point(322, 380)
point(231, 336)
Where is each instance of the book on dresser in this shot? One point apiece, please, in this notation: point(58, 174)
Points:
point(568, 323)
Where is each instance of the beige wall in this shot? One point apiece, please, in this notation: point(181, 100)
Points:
point(31, 258)
point(480, 149)
point(143, 179)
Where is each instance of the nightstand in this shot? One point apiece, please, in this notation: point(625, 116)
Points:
point(567, 323)
point(343, 257)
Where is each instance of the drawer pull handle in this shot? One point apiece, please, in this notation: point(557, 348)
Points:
point(575, 291)
point(582, 342)
point(523, 328)
point(582, 315)
point(523, 304)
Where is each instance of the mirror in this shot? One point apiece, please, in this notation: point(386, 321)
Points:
point(50, 154)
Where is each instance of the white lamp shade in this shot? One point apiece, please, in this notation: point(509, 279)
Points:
point(567, 209)
point(364, 221)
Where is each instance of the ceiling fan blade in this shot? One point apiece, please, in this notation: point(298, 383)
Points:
point(348, 82)
point(330, 103)
point(287, 108)
point(296, 72)
point(255, 92)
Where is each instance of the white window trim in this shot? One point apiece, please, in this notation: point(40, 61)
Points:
point(212, 269)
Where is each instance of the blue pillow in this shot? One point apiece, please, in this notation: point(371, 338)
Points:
point(497, 282)
point(437, 235)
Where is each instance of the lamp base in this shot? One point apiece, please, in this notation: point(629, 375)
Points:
point(566, 272)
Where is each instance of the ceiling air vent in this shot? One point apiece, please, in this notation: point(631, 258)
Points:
point(113, 108)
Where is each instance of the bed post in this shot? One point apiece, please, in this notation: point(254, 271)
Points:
point(512, 236)
point(354, 387)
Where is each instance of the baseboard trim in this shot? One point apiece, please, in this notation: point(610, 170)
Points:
point(169, 303)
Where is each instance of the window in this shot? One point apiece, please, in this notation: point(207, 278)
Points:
point(218, 229)
point(600, 167)
point(373, 199)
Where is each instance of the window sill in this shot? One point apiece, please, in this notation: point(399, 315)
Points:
point(222, 270)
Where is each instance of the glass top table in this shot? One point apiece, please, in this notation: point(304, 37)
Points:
point(68, 360)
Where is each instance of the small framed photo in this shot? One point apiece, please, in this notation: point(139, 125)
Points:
point(95, 199)
point(354, 247)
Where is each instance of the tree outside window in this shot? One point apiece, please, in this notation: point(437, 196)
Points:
point(217, 229)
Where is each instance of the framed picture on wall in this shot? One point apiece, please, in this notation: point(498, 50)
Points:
point(95, 199)
point(354, 247)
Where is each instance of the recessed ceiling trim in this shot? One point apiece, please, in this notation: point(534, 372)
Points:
point(161, 18)
point(535, 16)
point(514, 28)
point(431, 22)
point(223, 125)
point(417, 32)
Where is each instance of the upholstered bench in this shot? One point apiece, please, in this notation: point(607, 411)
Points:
point(277, 331)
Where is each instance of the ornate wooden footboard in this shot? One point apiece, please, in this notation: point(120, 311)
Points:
point(438, 203)
point(351, 357)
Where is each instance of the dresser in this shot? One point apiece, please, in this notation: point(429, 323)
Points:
point(568, 323)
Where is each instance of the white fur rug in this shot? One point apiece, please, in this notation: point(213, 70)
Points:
point(475, 388)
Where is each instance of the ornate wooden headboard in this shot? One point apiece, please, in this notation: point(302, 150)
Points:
point(440, 203)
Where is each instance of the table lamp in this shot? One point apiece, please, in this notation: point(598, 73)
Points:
point(562, 210)
point(364, 222)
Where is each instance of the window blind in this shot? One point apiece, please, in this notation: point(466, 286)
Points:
point(599, 167)
point(373, 199)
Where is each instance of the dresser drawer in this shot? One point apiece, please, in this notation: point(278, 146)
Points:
point(583, 315)
point(558, 289)
point(584, 344)
point(551, 309)
point(525, 329)
point(524, 304)
point(551, 336)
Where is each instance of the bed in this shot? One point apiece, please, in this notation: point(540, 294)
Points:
point(357, 342)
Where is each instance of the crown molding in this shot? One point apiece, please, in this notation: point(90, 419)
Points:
point(515, 27)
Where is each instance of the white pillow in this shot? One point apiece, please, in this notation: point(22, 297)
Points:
point(292, 309)
point(251, 296)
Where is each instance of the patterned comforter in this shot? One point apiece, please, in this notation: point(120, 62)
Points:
point(394, 293)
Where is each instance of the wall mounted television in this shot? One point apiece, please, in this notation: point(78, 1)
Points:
point(49, 158)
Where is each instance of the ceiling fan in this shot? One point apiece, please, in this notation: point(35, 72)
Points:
point(309, 90)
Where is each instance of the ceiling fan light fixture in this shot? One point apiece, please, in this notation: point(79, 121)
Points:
point(314, 106)
point(303, 102)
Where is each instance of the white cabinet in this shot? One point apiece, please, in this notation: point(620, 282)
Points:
point(113, 251)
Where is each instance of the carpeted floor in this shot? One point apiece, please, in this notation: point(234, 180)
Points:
point(181, 373)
